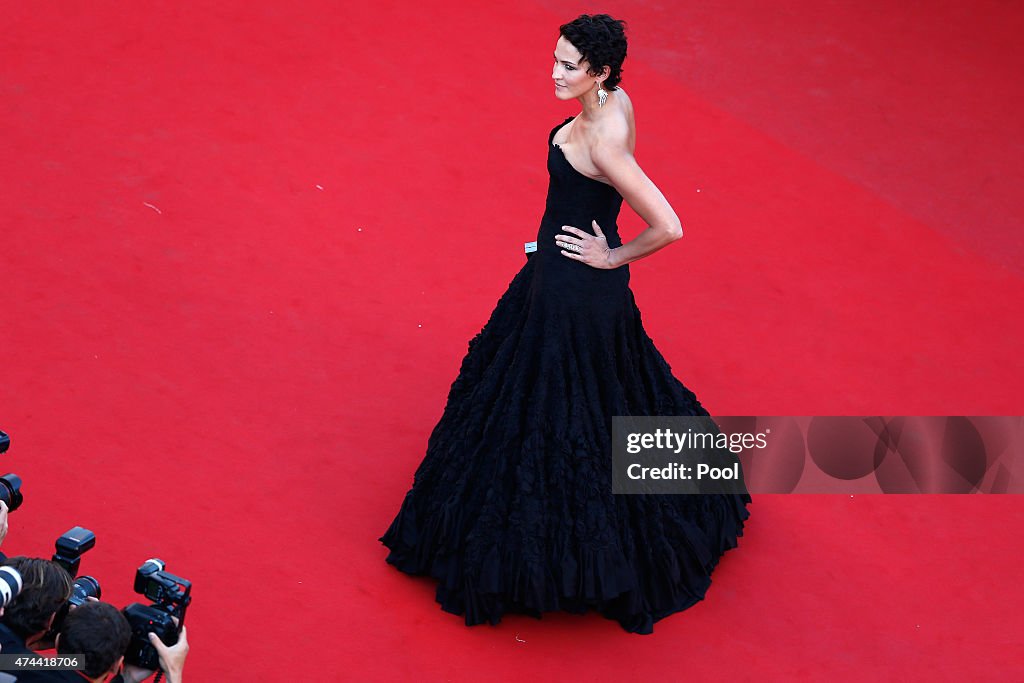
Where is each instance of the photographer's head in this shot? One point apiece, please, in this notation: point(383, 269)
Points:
point(45, 589)
point(99, 632)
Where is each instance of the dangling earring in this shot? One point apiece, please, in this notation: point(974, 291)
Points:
point(602, 95)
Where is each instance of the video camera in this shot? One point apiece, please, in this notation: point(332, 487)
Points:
point(170, 596)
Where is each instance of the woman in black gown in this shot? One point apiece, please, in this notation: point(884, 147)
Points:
point(511, 508)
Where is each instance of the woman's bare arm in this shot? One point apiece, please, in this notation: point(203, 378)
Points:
point(611, 156)
point(618, 165)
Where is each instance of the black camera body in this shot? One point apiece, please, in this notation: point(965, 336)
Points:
point(170, 596)
point(144, 619)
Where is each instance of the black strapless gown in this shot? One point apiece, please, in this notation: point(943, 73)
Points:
point(511, 508)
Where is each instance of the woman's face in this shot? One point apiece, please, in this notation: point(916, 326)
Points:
point(569, 74)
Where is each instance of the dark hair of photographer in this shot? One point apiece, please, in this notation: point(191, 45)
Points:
point(98, 631)
point(46, 587)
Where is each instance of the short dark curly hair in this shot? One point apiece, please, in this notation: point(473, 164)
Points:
point(602, 42)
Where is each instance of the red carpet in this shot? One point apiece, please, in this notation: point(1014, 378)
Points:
point(243, 249)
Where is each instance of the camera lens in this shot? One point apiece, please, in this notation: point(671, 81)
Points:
point(10, 491)
point(10, 585)
point(85, 587)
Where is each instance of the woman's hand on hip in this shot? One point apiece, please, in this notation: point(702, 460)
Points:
point(592, 250)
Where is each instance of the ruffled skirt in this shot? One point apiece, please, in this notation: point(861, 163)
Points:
point(511, 509)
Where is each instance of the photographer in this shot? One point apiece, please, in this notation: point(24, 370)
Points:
point(30, 615)
point(100, 633)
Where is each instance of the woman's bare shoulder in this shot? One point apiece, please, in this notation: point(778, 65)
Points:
point(618, 129)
